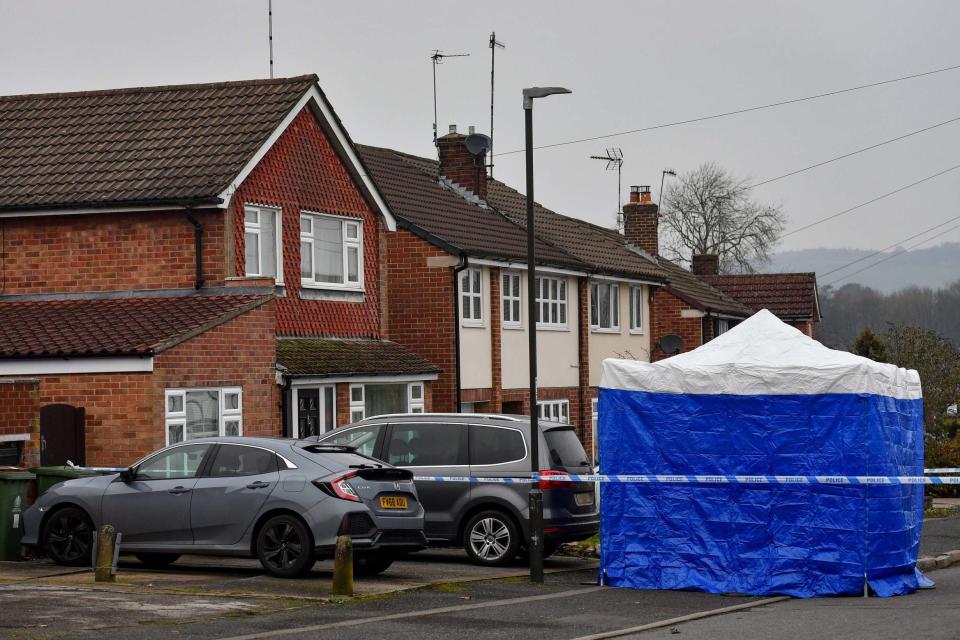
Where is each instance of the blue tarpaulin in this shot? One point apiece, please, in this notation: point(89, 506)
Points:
point(762, 399)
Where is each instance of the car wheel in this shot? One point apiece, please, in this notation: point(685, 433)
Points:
point(68, 537)
point(284, 547)
point(157, 560)
point(371, 564)
point(491, 538)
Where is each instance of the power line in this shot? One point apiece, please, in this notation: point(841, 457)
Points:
point(892, 246)
point(891, 257)
point(739, 111)
point(871, 201)
point(853, 153)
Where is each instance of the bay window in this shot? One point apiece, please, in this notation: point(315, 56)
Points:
point(203, 413)
point(331, 252)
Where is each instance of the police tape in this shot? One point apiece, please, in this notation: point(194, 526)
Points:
point(703, 479)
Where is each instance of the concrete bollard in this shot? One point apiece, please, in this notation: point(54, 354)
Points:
point(103, 562)
point(343, 567)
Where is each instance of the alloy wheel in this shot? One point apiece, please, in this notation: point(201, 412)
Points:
point(282, 546)
point(490, 539)
point(69, 537)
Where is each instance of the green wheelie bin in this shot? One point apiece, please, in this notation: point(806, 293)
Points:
point(16, 494)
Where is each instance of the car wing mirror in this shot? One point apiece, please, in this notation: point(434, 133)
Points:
point(128, 474)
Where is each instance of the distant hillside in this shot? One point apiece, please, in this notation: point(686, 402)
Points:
point(933, 267)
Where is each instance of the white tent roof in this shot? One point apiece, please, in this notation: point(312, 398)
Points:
point(762, 356)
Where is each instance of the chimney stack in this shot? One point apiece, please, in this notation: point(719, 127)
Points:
point(641, 219)
point(459, 164)
point(706, 264)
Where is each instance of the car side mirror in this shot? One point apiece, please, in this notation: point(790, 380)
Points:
point(128, 474)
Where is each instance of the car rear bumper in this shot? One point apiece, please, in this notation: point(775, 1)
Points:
point(571, 531)
point(393, 540)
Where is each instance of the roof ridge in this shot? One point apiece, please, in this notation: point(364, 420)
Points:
point(312, 77)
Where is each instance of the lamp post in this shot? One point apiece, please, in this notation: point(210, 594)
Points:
point(536, 496)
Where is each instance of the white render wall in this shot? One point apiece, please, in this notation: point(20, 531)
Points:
point(475, 357)
point(623, 344)
point(557, 349)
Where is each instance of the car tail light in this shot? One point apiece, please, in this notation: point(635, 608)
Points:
point(562, 482)
point(339, 488)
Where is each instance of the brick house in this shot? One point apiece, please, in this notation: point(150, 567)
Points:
point(185, 261)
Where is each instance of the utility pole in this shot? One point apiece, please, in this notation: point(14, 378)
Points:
point(270, 32)
point(437, 58)
point(494, 44)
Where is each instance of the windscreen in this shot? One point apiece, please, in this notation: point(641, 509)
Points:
point(565, 448)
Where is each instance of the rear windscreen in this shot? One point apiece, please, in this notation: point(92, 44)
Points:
point(565, 448)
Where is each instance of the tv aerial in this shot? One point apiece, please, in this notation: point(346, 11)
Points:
point(437, 58)
point(614, 160)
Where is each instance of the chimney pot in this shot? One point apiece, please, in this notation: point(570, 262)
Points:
point(453, 128)
point(459, 165)
point(641, 220)
point(472, 129)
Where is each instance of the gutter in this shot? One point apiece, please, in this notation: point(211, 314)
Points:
point(197, 248)
point(464, 263)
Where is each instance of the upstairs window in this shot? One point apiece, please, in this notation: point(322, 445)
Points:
point(636, 309)
point(551, 303)
point(262, 245)
point(511, 299)
point(471, 296)
point(605, 307)
point(331, 252)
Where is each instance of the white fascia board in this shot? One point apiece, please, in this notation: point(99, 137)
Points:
point(327, 111)
point(691, 313)
point(313, 381)
point(605, 278)
point(46, 366)
point(504, 264)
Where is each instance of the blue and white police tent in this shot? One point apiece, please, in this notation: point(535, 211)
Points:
point(761, 400)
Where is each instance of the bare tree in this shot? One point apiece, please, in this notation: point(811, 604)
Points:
point(710, 211)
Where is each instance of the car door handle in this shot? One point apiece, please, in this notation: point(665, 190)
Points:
point(259, 484)
point(178, 490)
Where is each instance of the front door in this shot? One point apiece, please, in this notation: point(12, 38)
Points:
point(433, 449)
point(227, 499)
point(315, 410)
point(61, 435)
point(154, 507)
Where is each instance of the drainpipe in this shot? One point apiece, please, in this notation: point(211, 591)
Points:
point(456, 324)
point(197, 248)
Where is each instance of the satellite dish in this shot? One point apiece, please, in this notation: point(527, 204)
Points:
point(671, 344)
point(477, 143)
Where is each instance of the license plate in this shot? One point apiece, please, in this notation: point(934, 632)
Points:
point(583, 499)
point(393, 502)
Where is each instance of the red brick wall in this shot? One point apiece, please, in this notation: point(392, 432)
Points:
point(302, 171)
point(666, 319)
point(496, 340)
point(108, 252)
point(583, 419)
point(125, 411)
point(20, 413)
point(420, 305)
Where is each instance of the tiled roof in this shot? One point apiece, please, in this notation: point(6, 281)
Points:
point(112, 326)
point(412, 190)
point(327, 357)
point(788, 295)
point(143, 145)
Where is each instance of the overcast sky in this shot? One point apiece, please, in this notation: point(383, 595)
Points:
point(629, 64)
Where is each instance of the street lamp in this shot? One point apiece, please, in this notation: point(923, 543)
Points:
point(536, 496)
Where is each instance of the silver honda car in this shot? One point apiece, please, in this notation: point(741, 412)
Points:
point(281, 501)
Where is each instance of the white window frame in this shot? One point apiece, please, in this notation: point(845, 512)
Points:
point(255, 228)
point(636, 310)
point(507, 300)
point(468, 320)
point(549, 302)
point(347, 243)
point(613, 298)
point(179, 418)
point(416, 398)
point(723, 325)
point(554, 410)
point(594, 420)
point(295, 406)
